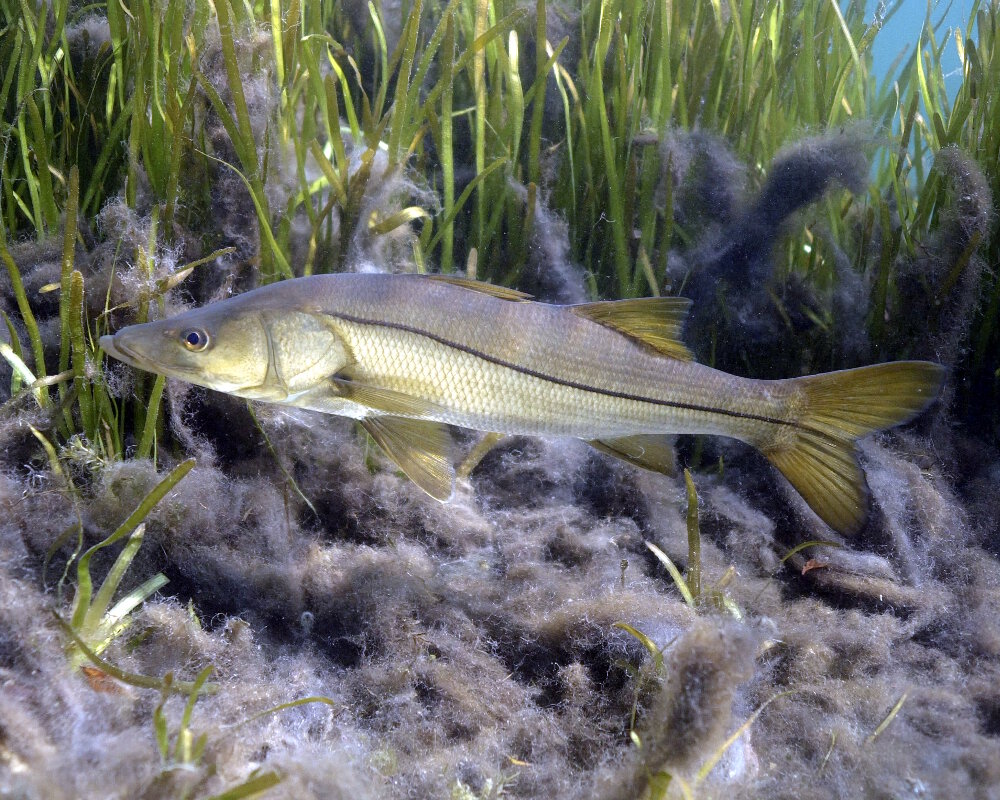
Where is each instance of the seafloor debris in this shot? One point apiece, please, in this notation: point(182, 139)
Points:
point(471, 650)
point(409, 615)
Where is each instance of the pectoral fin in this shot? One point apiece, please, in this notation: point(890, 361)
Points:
point(421, 449)
point(386, 401)
point(653, 452)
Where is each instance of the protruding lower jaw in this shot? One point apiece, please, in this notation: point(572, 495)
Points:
point(117, 350)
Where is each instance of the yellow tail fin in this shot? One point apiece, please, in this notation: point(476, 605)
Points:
point(821, 460)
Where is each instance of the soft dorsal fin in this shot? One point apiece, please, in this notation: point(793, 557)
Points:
point(653, 321)
point(501, 292)
point(649, 451)
point(421, 449)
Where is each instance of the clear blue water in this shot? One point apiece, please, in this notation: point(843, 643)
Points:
point(902, 32)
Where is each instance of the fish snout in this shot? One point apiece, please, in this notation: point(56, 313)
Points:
point(114, 346)
point(109, 346)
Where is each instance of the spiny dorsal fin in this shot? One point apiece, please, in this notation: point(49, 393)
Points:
point(654, 321)
point(501, 292)
point(421, 449)
point(649, 451)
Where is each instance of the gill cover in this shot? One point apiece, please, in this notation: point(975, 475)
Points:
point(304, 350)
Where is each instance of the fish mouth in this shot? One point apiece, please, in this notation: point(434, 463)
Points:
point(115, 348)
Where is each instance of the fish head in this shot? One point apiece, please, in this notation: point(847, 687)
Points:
point(265, 354)
point(208, 346)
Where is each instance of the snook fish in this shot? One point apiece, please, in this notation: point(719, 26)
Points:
point(407, 355)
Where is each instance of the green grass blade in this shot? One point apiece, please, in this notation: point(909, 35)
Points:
point(183, 752)
point(694, 539)
point(293, 704)
point(81, 603)
point(401, 111)
point(160, 731)
point(543, 67)
point(887, 721)
point(244, 137)
point(262, 218)
point(402, 217)
point(152, 415)
point(252, 786)
point(675, 573)
point(129, 678)
point(447, 147)
point(27, 316)
point(82, 383)
point(479, 132)
point(131, 601)
point(102, 600)
point(709, 765)
point(40, 151)
point(463, 197)
point(803, 545)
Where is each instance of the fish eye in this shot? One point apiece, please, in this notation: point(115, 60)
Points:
point(194, 339)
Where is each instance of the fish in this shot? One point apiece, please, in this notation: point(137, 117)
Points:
point(409, 355)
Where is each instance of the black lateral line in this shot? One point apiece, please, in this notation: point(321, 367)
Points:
point(568, 383)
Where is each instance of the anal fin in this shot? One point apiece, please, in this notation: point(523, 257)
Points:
point(650, 451)
point(421, 449)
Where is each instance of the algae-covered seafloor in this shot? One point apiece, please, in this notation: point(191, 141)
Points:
point(203, 598)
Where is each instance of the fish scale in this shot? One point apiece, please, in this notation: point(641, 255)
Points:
point(480, 394)
point(405, 354)
point(477, 394)
point(550, 341)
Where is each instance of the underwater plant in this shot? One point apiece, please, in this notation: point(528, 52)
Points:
point(745, 155)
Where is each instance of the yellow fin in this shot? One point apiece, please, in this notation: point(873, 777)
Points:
point(838, 408)
point(654, 321)
point(649, 451)
point(479, 286)
point(421, 449)
point(386, 401)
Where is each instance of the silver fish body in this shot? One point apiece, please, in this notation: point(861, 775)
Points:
point(406, 354)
